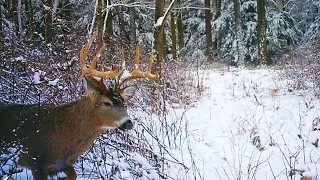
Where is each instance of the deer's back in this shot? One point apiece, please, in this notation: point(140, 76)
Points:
point(23, 126)
point(17, 120)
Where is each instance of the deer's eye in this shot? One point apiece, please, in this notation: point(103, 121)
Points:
point(107, 104)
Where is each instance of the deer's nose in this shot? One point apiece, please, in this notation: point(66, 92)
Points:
point(128, 125)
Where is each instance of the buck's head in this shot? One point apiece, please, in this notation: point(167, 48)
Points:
point(109, 103)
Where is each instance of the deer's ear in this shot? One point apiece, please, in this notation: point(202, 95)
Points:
point(90, 87)
point(128, 92)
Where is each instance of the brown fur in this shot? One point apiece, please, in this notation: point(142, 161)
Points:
point(53, 137)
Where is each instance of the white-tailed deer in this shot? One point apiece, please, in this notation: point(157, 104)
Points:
point(49, 139)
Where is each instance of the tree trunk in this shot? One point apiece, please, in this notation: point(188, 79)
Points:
point(66, 12)
point(218, 9)
point(109, 35)
point(7, 6)
point(133, 32)
point(239, 56)
point(121, 26)
point(15, 16)
point(217, 15)
point(1, 34)
point(19, 19)
point(31, 15)
point(180, 29)
point(208, 30)
point(27, 11)
point(159, 35)
point(261, 29)
point(48, 21)
point(173, 36)
point(100, 23)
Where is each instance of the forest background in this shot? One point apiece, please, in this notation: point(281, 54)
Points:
point(40, 41)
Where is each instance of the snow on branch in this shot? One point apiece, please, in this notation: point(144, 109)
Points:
point(160, 20)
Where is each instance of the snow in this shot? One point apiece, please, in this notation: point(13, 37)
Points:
point(244, 105)
point(159, 22)
point(162, 18)
point(19, 58)
point(36, 78)
point(53, 82)
point(125, 74)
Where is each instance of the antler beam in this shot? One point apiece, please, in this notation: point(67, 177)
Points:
point(91, 71)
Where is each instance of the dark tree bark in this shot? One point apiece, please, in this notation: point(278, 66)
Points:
point(67, 11)
point(14, 6)
point(217, 15)
point(29, 17)
point(7, 5)
point(262, 37)
point(1, 34)
point(238, 30)
point(208, 28)
point(159, 35)
point(173, 36)
point(100, 22)
point(109, 35)
point(218, 9)
point(121, 26)
point(133, 19)
point(27, 11)
point(180, 28)
point(48, 21)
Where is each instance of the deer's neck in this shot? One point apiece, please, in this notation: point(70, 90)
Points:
point(75, 133)
point(78, 108)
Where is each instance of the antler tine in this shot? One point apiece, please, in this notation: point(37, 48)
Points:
point(91, 70)
point(83, 56)
point(123, 62)
point(136, 73)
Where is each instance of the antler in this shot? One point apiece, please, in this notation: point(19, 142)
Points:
point(137, 73)
point(91, 71)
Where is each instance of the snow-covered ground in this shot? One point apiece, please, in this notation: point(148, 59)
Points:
point(249, 124)
point(252, 124)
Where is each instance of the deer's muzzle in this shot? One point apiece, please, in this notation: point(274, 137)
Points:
point(128, 125)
